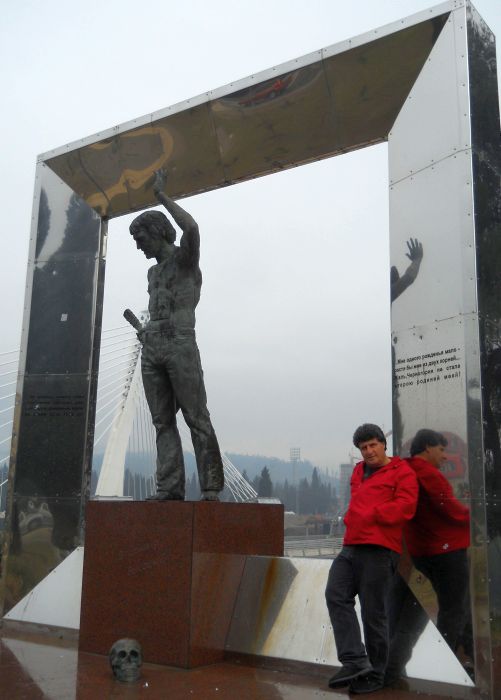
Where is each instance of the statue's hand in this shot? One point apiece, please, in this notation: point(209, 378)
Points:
point(415, 253)
point(159, 181)
point(140, 336)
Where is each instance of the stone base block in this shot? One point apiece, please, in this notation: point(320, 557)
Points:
point(167, 574)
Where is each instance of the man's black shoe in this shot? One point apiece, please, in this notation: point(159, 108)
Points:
point(346, 675)
point(396, 682)
point(366, 684)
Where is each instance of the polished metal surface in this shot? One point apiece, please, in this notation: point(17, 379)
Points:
point(114, 176)
point(430, 383)
point(56, 600)
point(52, 441)
point(435, 206)
point(484, 387)
point(431, 195)
point(280, 613)
point(431, 107)
point(444, 175)
point(292, 114)
point(431, 199)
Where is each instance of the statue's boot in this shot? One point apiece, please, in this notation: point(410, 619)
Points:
point(209, 496)
point(164, 496)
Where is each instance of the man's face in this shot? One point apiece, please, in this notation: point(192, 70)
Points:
point(373, 452)
point(435, 455)
point(150, 245)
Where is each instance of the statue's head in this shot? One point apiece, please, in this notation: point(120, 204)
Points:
point(156, 224)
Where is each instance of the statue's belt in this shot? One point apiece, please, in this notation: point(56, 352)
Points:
point(166, 328)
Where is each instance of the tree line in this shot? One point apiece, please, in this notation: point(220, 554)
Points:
point(309, 497)
point(312, 496)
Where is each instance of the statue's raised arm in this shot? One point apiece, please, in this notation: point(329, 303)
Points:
point(190, 240)
point(170, 361)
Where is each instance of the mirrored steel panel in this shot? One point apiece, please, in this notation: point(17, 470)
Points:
point(279, 613)
point(432, 247)
point(487, 180)
point(431, 192)
point(430, 385)
point(381, 74)
point(435, 303)
point(115, 176)
point(62, 316)
point(101, 172)
point(194, 158)
point(43, 531)
point(434, 207)
point(269, 125)
point(52, 436)
point(313, 111)
point(55, 403)
point(286, 118)
point(433, 107)
point(63, 280)
point(66, 226)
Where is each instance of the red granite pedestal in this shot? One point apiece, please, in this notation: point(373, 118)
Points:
point(167, 574)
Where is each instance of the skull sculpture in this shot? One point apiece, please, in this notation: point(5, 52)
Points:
point(126, 659)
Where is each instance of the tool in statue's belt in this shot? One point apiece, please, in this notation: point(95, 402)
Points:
point(133, 320)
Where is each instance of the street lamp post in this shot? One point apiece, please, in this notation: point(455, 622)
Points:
point(295, 455)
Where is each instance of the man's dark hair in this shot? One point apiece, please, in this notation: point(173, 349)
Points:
point(426, 438)
point(368, 431)
point(157, 225)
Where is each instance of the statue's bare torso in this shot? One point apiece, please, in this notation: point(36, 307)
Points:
point(174, 290)
point(170, 361)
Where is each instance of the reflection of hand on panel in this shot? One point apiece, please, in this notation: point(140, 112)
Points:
point(415, 250)
point(399, 284)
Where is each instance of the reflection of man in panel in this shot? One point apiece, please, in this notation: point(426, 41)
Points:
point(437, 539)
point(170, 362)
point(383, 497)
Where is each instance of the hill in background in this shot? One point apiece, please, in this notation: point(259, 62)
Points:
point(280, 470)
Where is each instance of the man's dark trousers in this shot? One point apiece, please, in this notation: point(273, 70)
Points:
point(366, 571)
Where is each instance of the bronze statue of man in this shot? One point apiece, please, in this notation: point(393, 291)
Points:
point(170, 361)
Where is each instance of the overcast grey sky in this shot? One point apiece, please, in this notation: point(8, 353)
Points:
point(293, 325)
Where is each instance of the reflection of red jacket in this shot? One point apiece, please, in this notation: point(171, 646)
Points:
point(442, 523)
point(380, 505)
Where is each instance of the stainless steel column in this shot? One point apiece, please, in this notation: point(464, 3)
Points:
point(444, 191)
point(55, 403)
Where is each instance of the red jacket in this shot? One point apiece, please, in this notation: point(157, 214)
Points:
point(380, 505)
point(442, 523)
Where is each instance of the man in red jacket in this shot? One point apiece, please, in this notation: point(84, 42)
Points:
point(437, 539)
point(384, 495)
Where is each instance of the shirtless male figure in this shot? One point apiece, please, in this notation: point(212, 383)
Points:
point(170, 361)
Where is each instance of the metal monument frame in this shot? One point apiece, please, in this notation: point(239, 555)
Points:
point(428, 86)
